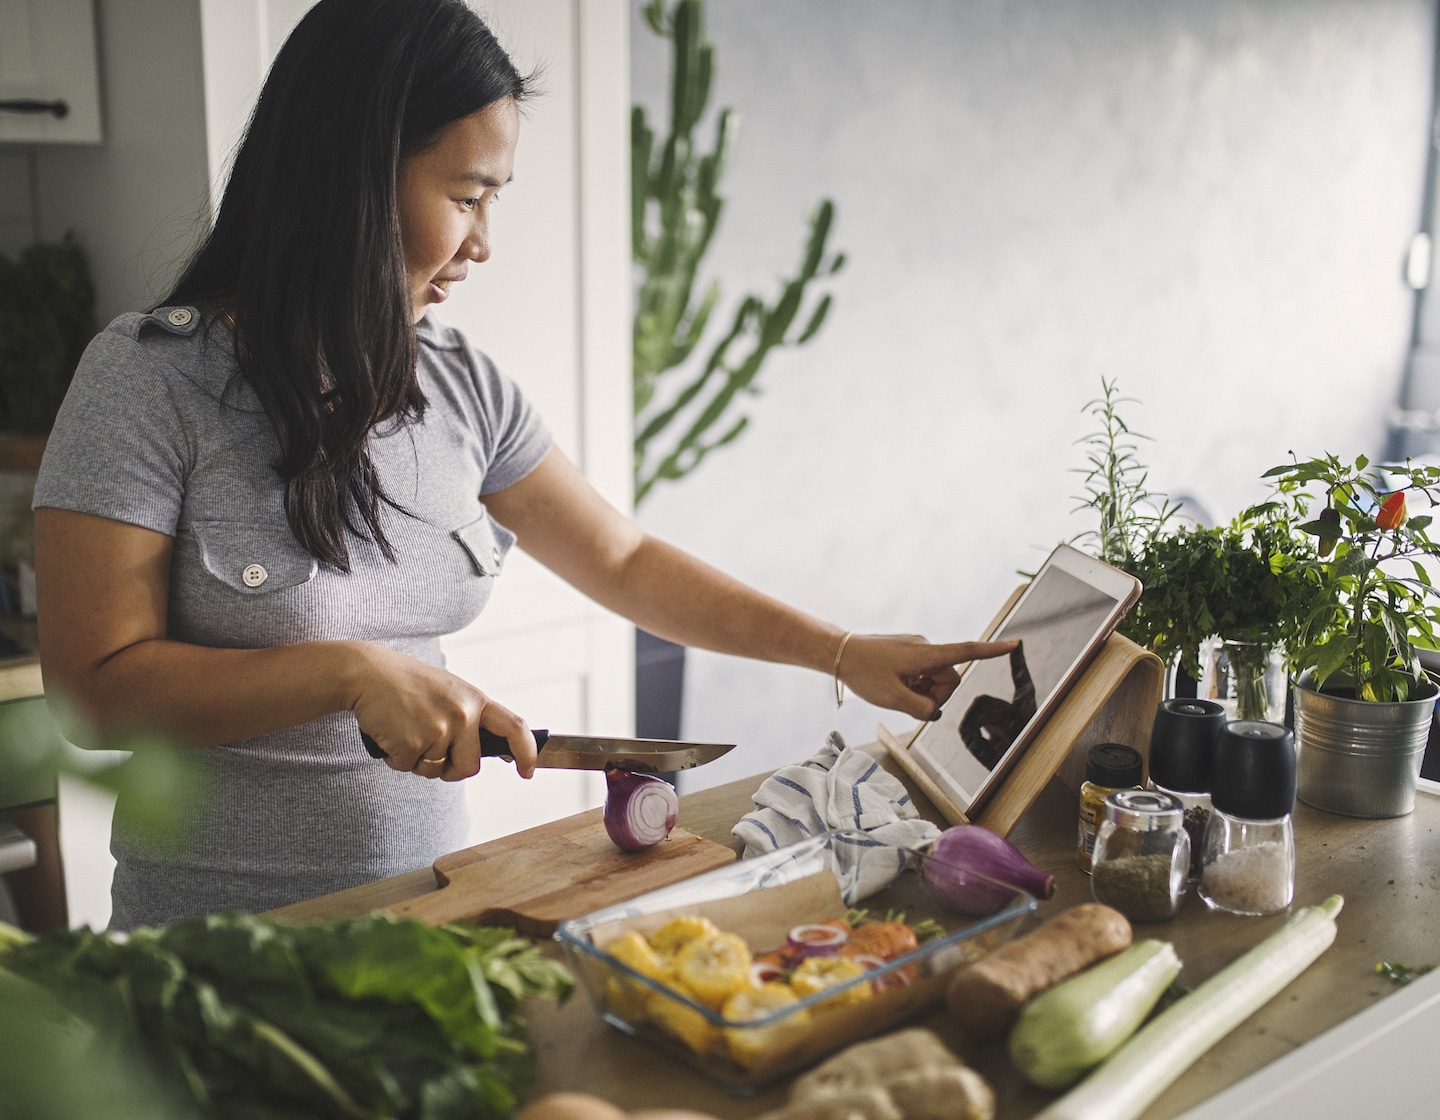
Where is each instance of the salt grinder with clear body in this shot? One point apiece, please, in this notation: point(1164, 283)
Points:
point(1248, 863)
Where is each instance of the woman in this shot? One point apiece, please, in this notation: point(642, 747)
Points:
point(264, 502)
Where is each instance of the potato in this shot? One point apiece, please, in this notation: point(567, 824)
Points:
point(985, 999)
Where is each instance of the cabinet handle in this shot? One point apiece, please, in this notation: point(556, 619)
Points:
point(58, 109)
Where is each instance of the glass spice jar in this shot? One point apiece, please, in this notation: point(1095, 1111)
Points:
point(1248, 861)
point(1108, 767)
point(1142, 855)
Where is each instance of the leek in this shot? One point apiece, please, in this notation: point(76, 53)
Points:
point(1145, 1066)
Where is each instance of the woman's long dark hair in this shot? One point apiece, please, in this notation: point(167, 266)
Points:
point(306, 248)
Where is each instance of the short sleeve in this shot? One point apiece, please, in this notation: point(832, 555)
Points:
point(118, 448)
point(520, 436)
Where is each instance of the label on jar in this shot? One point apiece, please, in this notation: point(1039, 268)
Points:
point(1091, 812)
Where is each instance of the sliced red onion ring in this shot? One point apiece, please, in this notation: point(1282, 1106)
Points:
point(899, 978)
point(815, 939)
point(764, 972)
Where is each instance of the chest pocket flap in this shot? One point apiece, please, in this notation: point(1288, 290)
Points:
point(487, 542)
point(254, 559)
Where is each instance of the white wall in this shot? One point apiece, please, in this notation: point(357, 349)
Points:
point(1209, 200)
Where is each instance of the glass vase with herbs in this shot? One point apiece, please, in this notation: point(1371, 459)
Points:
point(1223, 603)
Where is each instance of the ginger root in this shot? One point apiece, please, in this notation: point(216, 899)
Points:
point(908, 1075)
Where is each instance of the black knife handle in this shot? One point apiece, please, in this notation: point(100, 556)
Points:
point(491, 745)
point(57, 109)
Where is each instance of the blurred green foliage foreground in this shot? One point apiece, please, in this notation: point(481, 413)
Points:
point(240, 1017)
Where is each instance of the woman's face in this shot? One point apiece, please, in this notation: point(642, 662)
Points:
point(445, 193)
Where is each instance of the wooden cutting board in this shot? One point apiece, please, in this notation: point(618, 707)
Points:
point(536, 879)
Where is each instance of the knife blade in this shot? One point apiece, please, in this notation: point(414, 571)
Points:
point(589, 752)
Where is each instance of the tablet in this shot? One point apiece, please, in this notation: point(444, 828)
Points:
point(1062, 619)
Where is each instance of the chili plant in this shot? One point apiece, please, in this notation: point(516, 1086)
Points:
point(1375, 602)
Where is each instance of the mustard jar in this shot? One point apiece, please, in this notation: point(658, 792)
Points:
point(1108, 767)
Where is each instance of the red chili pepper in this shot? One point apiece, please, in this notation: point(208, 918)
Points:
point(1392, 511)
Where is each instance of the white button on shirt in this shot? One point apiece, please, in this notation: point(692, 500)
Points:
point(254, 575)
point(180, 317)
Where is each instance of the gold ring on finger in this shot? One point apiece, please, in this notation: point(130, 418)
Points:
point(437, 761)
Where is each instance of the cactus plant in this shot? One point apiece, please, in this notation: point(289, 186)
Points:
point(675, 209)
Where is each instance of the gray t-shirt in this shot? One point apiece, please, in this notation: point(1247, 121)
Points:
point(157, 431)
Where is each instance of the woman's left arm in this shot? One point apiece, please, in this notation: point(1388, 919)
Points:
point(564, 523)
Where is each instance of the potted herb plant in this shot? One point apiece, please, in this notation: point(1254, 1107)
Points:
point(1363, 704)
point(1223, 603)
point(1226, 597)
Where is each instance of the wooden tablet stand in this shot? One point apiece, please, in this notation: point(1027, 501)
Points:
point(1114, 701)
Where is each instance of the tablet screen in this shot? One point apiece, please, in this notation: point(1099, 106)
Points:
point(1059, 622)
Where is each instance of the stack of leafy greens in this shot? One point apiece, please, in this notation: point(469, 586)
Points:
point(237, 1017)
point(1244, 581)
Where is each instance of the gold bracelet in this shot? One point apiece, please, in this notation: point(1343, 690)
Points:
point(839, 684)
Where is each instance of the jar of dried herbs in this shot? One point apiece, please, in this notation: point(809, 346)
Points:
point(1142, 855)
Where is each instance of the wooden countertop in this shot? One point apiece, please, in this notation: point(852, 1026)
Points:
point(1388, 872)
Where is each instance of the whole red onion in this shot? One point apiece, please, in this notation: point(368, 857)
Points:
point(970, 848)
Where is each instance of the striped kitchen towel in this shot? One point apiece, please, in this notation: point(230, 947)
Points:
point(837, 788)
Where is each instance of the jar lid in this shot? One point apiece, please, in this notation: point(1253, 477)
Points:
point(1253, 775)
point(1114, 766)
point(1144, 810)
point(1182, 743)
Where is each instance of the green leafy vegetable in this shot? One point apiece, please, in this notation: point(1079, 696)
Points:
point(1246, 581)
point(364, 1017)
point(1402, 973)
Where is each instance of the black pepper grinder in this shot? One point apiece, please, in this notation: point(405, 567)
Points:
point(1182, 749)
point(1248, 866)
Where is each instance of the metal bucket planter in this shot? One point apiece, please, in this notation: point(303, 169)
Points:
point(1360, 758)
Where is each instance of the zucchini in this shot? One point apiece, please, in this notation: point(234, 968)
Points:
point(1076, 1025)
point(1162, 1050)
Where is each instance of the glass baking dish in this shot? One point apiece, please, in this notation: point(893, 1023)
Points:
point(762, 900)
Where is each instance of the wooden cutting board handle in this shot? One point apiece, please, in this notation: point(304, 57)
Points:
point(536, 879)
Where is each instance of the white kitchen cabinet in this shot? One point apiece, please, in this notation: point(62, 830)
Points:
point(49, 81)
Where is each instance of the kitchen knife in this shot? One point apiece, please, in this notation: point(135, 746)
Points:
point(587, 752)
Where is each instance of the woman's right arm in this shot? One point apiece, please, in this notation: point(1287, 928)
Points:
point(102, 590)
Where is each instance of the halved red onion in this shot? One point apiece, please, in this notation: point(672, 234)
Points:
point(640, 809)
point(867, 961)
point(970, 848)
